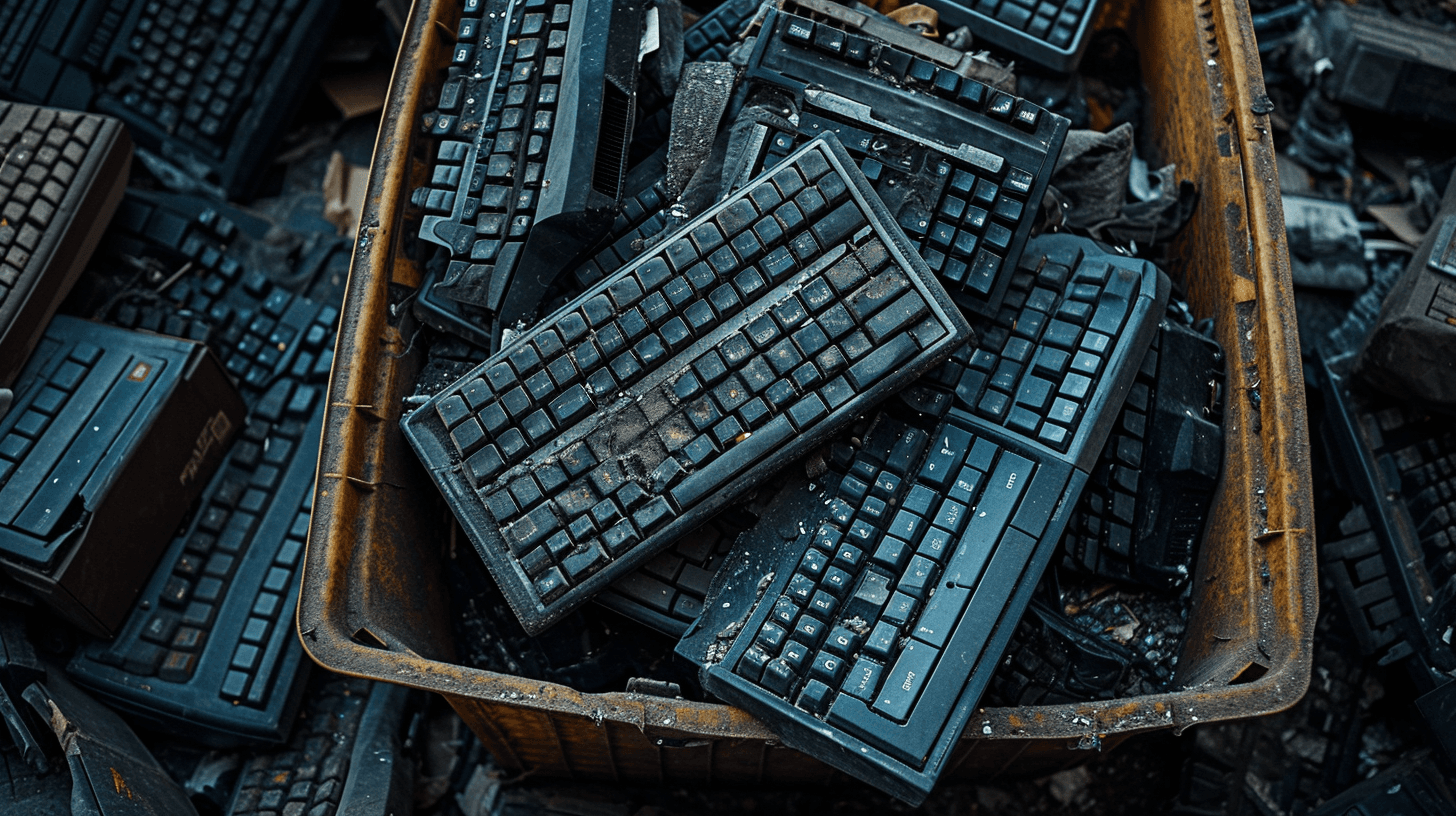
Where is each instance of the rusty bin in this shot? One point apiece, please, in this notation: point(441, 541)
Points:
point(372, 604)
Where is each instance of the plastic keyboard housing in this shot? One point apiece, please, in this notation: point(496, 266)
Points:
point(60, 182)
point(536, 122)
point(864, 630)
point(961, 167)
point(747, 336)
point(112, 436)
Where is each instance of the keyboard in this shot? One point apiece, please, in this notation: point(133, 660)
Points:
point(1395, 65)
point(642, 217)
point(1051, 33)
point(261, 331)
point(209, 652)
point(112, 435)
point(960, 166)
point(204, 85)
point(864, 631)
point(622, 421)
point(1411, 351)
point(509, 197)
point(346, 754)
point(1049, 661)
point(1143, 512)
point(60, 181)
point(1391, 563)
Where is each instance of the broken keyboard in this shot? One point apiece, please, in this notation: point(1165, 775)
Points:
point(866, 612)
point(624, 419)
point(535, 121)
point(60, 181)
point(961, 166)
point(1143, 512)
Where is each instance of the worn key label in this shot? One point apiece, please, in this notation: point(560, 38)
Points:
point(140, 372)
point(213, 433)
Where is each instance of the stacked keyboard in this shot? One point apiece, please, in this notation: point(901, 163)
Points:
point(535, 121)
point(961, 166)
point(205, 84)
point(112, 436)
point(874, 622)
point(1052, 33)
point(1143, 513)
point(209, 648)
point(623, 420)
point(60, 181)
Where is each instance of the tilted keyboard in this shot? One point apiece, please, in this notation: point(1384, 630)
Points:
point(961, 166)
point(535, 121)
point(624, 419)
point(60, 180)
point(261, 331)
point(210, 651)
point(1411, 350)
point(1142, 515)
point(1053, 33)
point(1394, 564)
point(112, 436)
point(205, 84)
point(864, 632)
point(641, 217)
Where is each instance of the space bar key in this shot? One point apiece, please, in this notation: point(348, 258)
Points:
point(733, 461)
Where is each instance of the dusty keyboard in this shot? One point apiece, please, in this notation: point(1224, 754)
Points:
point(205, 85)
point(535, 121)
point(1142, 515)
point(60, 182)
point(1053, 33)
point(962, 167)
point(623, 420)
point(210, 650)
point(873, 625)
point(112, 436)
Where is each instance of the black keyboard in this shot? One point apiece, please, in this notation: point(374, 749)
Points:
point(60, 180)
point(642, 217)
point(210, 652)
point(1392, 564)
point(345, 755)
point(960, 166)
point(1053, 33)
point(205, 85)
point(864, 631)
point(261, 331)
point(1411, 351)
point(1142, 515)
point(112, 435)
point(624, 419)
point(510, 197)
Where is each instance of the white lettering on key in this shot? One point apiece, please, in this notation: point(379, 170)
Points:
point(1011, 481)
point(909, 678)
